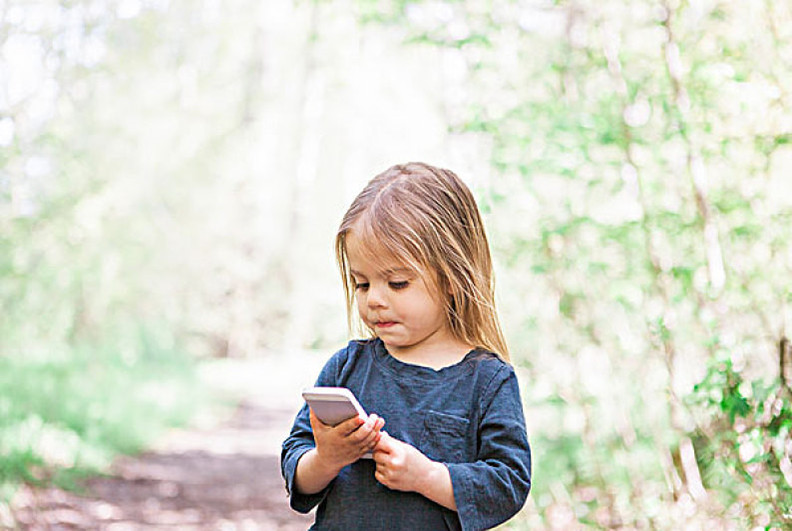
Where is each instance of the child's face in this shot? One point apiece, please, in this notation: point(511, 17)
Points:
point(396, 302)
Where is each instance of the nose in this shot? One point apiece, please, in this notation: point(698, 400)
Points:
point(376, 297)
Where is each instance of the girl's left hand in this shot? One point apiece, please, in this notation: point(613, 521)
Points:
point(400, 466)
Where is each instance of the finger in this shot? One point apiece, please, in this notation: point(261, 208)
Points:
point(313, 418)
point(364, 433)
point(382, 451)
point(377, 422)
point(361, 434)
point(385, 443)
point(350, 425)
point(380, 458)
point(373, 440)
point(383, 436)
point(383, 479)
point(316, 425)
point(370, 438)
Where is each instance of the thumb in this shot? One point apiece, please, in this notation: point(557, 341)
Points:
point(385, 443)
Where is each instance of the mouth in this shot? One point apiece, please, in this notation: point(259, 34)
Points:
point(384, 324)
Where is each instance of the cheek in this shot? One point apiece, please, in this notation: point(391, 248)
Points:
point(360, 302)
point(433, 310)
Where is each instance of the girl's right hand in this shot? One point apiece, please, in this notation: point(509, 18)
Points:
point(338, 446)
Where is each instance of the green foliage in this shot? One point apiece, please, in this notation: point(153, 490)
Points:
point(742, 443)
point(104, 133)
point(70, 415)
point(641, 212)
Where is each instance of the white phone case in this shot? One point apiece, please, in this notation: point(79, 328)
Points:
point(334, 405)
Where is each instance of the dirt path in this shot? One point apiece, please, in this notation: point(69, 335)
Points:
point(223, 476)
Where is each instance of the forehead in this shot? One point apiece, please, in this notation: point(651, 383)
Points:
point(367, 255)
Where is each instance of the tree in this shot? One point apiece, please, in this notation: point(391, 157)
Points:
point(639, 216)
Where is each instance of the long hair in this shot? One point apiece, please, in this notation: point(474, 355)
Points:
point(427, 219)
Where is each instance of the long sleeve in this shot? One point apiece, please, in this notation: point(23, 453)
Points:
point(299, 441)
point(468, 416)
point(494, 488)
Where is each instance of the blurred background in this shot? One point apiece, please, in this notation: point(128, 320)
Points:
point(172, 173)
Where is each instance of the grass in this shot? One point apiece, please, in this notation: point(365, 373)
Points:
point(65, 418)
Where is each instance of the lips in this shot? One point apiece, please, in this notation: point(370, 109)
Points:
point(384, 324)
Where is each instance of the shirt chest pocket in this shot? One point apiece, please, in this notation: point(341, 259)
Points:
point(444, 437)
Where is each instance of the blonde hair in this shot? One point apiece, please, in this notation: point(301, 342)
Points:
point(426, 218)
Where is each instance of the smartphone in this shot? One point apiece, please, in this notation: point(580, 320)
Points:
point(333, 405)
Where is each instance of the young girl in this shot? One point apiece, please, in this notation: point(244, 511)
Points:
point(414, 259)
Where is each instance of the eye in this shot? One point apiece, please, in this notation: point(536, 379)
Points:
point(361, 286)
point(398, 285)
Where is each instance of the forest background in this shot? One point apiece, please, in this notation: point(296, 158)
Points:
point(172, 172)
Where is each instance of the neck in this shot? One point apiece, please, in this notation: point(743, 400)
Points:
point(434, 356)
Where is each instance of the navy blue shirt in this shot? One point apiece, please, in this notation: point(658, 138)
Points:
point(468, 416)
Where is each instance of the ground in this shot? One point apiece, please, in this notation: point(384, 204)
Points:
point(222, 473)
